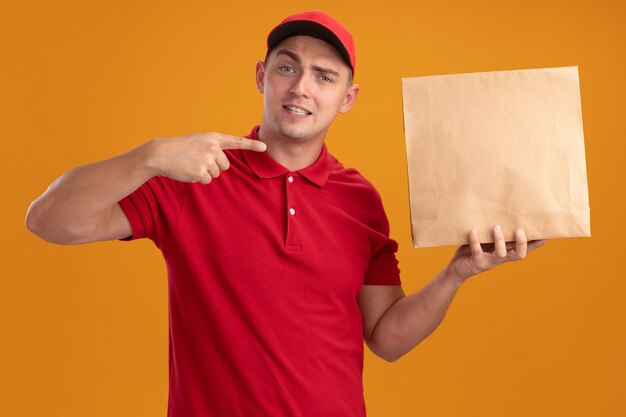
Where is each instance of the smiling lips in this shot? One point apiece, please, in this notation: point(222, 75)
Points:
point(298, 110)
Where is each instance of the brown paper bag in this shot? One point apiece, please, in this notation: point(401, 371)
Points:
point(491, 148)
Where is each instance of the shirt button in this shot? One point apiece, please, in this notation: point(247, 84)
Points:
point(290, 178)
point(292, 211)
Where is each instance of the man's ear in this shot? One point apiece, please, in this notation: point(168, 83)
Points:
point(349, 99)
point(260, 76)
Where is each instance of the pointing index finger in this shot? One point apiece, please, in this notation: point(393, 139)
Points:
point(239, 142)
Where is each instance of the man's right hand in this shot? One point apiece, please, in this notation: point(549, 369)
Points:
point(198, 157)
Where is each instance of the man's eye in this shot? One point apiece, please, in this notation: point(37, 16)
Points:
point(326, 78)
point(285, 68)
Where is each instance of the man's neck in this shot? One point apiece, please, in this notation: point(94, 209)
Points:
point(291, 153)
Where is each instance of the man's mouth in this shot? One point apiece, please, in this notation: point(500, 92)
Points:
point(297, 110)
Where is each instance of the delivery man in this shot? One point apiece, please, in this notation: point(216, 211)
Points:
point(279, 259)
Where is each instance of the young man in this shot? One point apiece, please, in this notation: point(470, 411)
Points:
point(279, 259)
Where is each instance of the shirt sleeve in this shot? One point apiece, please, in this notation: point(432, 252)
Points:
point(383, 266)
point(154, 208)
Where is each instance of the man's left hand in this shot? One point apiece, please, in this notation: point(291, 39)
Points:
point(474, 258)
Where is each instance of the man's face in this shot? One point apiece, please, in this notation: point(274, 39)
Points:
point(305, 83)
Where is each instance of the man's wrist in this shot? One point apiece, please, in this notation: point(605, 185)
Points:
point(452, 278)
point(145, 158)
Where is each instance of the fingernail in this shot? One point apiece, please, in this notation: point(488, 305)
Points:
point(498, 229)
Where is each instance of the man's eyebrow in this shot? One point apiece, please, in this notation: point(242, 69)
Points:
point(325, 70)
point(290, 54)
point(296, 58)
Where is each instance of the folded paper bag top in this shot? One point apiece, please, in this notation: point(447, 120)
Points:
point(501, 147)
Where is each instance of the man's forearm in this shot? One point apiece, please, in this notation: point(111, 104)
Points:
point(412, 318)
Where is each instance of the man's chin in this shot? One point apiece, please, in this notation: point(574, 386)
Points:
point(296, 134)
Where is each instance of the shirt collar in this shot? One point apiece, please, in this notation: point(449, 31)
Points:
point(264, 166)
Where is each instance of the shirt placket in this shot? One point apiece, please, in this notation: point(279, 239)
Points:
point(291, 211)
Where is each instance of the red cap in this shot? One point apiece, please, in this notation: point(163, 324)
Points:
point(319, 25)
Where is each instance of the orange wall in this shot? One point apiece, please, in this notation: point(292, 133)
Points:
point(83, 330)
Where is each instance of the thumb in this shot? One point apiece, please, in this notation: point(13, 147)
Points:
point(238, 142)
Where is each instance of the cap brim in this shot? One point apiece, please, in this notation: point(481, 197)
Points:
point(307, 28)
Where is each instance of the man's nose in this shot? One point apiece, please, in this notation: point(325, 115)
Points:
point(301, 86)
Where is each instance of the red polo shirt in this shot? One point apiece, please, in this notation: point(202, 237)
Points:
point(264, 268)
